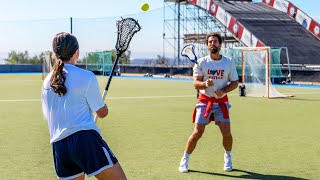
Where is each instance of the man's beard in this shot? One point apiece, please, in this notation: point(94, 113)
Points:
point(214, 50)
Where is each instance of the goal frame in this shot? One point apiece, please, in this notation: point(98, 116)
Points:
point(268, 81)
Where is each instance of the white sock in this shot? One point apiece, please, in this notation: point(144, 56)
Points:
point(186, 155)
point(228, 153)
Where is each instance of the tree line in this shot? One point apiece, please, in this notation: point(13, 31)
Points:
point(16, 57)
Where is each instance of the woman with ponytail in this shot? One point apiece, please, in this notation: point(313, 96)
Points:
point(70, 97)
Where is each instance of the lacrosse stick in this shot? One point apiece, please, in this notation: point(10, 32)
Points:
point(126, 29)
point(46, 64)
point(188, 51)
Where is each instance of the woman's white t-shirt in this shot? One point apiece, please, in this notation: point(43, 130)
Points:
point(74, 111)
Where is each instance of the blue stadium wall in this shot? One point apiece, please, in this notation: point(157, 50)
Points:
point(304, 75)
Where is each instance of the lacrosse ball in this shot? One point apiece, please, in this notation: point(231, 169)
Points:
point(145, 7)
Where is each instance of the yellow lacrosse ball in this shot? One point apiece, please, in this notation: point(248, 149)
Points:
point(145, 7)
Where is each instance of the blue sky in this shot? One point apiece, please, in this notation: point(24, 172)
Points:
point(31, 24)
point(311, 7)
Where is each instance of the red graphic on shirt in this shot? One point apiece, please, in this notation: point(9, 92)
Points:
point(216, 74)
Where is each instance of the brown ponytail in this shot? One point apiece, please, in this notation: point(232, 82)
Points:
point(58, 78)
point(64, 46)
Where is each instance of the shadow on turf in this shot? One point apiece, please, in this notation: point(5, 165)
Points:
point(250, 175)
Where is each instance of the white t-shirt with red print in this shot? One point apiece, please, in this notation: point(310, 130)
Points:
point(220, 71)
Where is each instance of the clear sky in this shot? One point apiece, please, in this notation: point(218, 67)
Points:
point(31, 24)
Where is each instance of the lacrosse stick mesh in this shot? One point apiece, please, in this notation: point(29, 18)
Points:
point(188, 51)
point(126, 29)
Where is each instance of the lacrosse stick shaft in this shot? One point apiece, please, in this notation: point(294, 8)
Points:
point(109, 81)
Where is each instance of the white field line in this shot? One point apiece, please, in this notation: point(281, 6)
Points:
point(137, 97)
point(314, 92)
point(11, 80)
point(19, 100)
point(142, 97)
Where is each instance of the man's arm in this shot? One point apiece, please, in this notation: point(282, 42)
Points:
point(230, 87)
point(199, 84)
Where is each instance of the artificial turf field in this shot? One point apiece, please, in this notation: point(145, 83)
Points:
point(149, 122)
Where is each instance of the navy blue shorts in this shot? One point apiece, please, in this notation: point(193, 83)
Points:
point(82, 152)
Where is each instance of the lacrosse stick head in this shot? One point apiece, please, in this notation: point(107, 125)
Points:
point(126, 29)
point(47, 62)
point(188, 51)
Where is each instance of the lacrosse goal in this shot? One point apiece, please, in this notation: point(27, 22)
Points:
point(99, 62)
point(258, 67)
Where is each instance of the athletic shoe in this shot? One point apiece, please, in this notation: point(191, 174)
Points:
point(184, 165)
point(227, 163)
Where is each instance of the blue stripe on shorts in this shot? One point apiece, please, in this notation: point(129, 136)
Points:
point(82, 152)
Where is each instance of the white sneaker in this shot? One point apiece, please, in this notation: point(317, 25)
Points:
point(184, 165)
point(227, 163)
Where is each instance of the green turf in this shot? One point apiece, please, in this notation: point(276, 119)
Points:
point(147, 130)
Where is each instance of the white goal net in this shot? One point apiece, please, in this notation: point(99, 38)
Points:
point(260, 69)
point(257, 69)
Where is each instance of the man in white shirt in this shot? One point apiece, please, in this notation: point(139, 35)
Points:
point(212, 75)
